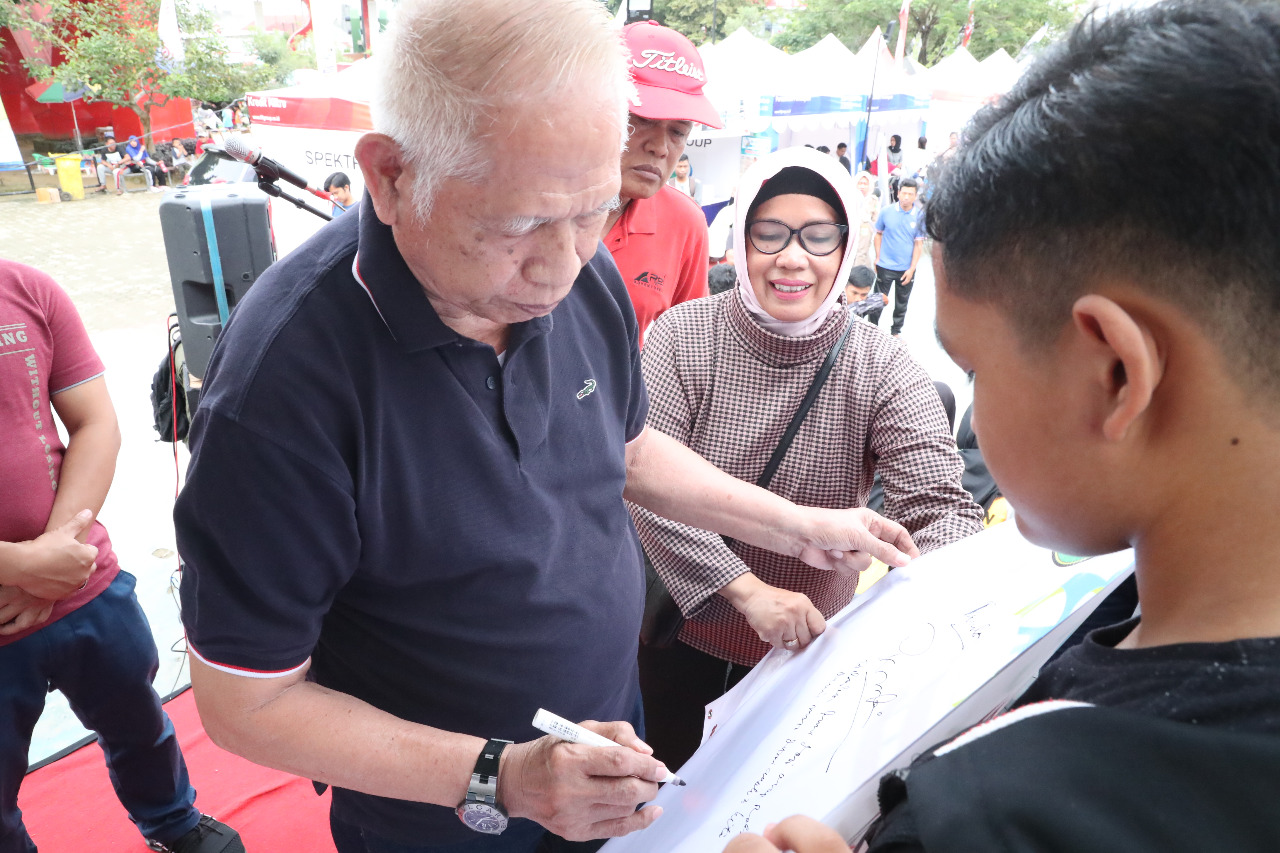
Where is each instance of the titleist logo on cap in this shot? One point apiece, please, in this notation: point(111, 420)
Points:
point(666, 60)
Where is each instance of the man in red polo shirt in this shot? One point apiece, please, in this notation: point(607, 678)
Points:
point(658, 235)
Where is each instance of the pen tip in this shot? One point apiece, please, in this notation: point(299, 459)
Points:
point(678, 781)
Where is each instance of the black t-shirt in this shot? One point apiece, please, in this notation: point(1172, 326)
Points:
point(1233, 686)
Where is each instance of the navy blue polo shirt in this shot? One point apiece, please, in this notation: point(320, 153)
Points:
point(444, 536)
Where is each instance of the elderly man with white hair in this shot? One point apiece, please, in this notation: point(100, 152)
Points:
point(403, 525)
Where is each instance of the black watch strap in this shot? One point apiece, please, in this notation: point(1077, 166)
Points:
point(490, 758)
point(484, 779)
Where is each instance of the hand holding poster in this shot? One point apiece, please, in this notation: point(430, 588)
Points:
point(928, 652)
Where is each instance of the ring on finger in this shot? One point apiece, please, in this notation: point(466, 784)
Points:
point(791, 644)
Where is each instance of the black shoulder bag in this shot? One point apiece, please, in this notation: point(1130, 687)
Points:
point(662, 617)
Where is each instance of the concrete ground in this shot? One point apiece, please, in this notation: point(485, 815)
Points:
point(107, 252)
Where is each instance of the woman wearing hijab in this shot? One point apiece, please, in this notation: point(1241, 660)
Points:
point(862, 240)
point(138, 160)
point(895, 152)
point(725, 376)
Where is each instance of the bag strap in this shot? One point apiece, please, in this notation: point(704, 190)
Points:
point(780, 451)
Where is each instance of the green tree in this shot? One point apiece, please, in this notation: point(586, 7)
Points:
point(279, 61)
point(851, 22)
point(759, 20)
point(111, 49)
point(937, 24)
point(694, 18)
point(205, 74)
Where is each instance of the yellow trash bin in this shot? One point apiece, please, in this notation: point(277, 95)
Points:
point(70, 177)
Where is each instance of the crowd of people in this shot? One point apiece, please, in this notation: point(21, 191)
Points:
point(440, 441)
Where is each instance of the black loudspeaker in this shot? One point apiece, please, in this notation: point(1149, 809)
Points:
point(242, 234)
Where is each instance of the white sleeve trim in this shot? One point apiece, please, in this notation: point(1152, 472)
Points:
point(246, 673)
point(1014, 716)
point(81, 382)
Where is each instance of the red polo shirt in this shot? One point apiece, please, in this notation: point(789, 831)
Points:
point(663, 264)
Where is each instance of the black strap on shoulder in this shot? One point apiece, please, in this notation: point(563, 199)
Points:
point(780, 451)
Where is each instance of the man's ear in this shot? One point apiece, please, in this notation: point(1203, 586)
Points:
point(382, 162)
point(1125, 359)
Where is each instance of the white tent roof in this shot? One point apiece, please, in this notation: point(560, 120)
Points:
point(1002, 70)
point(959, 77)
point(740, 69)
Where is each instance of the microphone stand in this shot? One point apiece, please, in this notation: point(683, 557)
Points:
point(268, 186)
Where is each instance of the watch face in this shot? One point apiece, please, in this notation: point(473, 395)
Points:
point(482, 818)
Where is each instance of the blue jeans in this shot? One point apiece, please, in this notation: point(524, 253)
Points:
point(103, 658)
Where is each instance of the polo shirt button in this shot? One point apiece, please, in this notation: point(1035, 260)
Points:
point(491, 383)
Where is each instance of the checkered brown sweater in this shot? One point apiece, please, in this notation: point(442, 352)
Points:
point(721, 384)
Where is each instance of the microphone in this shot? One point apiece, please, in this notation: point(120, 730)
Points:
point(266, 168)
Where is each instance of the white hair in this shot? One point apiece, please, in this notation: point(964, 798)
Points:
point(449, 68)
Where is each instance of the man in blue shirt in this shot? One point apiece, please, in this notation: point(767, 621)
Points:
point(403, 526)
point(338, 186)
point(899, 240)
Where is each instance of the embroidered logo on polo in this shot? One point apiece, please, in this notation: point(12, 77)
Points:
point(587, 390)
point(651, 280)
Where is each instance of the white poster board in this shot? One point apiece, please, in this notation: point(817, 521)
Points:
point(315, 155)
point(928, 652)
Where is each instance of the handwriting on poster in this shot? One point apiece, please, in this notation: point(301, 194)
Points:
point(851, 698)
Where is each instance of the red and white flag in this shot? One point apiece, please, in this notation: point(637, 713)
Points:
point(968, 28)
point(902, 31)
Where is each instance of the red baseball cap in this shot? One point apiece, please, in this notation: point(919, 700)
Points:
point(668, 75)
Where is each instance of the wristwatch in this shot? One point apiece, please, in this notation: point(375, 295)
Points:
point(480, 810)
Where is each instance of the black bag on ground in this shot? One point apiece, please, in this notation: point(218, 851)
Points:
point(169, 403)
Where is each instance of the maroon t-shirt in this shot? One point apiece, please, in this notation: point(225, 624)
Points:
point(44, 349)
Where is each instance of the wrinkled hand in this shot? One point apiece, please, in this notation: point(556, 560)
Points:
point(799, 834)
point(582, 792)
point(783, 619)
point(845, 540)
point(56, 563)
point(20, 610)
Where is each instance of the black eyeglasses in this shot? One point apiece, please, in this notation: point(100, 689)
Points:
point(769, 236)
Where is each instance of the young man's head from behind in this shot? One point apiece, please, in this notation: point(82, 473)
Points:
point(1122, 331)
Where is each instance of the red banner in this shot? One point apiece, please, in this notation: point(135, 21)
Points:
point(319, 113)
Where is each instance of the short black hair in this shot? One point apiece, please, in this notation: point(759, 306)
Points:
point(909, 182)
point(862, 276)
point(1028, 213)
point(721, 277)
point(922, 142)
point(824, 149)
point(337, 179)
point(683, 158)
point(840, 145)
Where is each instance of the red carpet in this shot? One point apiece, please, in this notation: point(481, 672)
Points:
point(69, 806)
